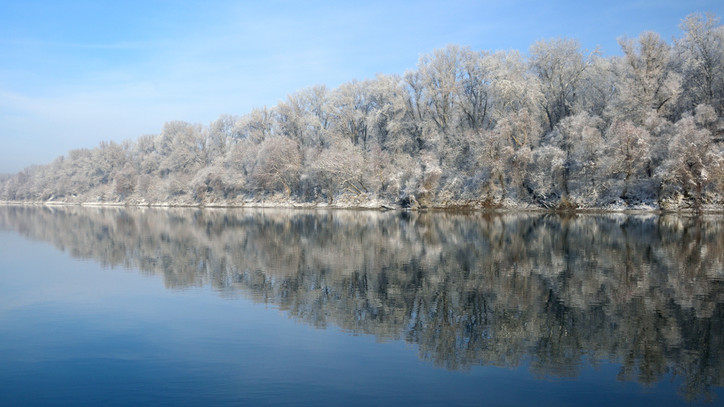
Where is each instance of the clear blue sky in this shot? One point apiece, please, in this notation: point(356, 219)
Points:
point(75, 73)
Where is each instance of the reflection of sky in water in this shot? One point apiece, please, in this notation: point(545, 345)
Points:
point(84, 334)
point(73, 332)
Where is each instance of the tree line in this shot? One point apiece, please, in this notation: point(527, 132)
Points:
point(559, 127)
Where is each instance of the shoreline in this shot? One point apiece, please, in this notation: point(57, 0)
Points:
point(378, 206)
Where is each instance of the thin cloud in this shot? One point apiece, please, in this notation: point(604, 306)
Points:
point(126, 45)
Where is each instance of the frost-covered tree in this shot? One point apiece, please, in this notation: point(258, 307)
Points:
point(627, 154)
point(546, 178)
point(558, 128)
point(417, 123)
point(701, 56)
point(304, 116)
point(560, 67)
point(340, 168)
point(598, 87)
point(219, 137)
point(647, 80)
point(517, 96)
point(125, 181)
point(259, 124)
point(278, 165)
point(695, 165)
point(439, 76)
point(180, 146)
point(107, 159)
point(351, 109)
point(77, 169)
point(474, 93)
point(580, 138)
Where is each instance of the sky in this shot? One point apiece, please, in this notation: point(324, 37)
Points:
point(76, 73)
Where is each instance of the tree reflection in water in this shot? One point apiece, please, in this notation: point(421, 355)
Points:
point(643, 291)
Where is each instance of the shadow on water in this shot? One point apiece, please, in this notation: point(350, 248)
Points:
point(555, 291)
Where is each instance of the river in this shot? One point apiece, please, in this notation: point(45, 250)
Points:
point(128, 306)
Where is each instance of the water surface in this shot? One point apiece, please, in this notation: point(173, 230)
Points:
point(196, 307)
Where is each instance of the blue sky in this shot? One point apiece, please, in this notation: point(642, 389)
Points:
point(75, 73)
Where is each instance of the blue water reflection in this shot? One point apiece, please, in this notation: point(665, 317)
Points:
point(227, 308)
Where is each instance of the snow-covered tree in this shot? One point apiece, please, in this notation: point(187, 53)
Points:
point(278, 165)
point(647, 80)
point(560, 67)
point(627, 154)
point(695, 163)
point(558, 128)
point(701, 55)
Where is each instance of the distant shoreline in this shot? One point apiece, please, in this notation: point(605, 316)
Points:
point(377, 206)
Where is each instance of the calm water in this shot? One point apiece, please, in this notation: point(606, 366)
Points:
point(281, 307)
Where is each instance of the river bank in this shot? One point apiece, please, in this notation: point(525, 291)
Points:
point(680, 206)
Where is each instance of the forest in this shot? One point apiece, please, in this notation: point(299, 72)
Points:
point(557, 127)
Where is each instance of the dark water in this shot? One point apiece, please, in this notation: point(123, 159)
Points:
point(251, 307)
